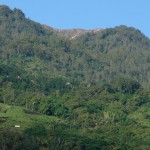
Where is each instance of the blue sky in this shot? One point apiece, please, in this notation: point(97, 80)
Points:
point(87, 14)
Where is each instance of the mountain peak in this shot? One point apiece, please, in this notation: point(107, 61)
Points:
point(4, 7)
point(5, 10)
point(18, 12)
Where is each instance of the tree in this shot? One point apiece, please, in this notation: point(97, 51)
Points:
point(127, 85)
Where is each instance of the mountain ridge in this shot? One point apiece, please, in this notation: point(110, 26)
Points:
point(94, 88)
point(92, 55)
point(75, 33)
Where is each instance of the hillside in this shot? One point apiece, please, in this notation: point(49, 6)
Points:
point(91, 118)
point(72, 89)
point(90, 57)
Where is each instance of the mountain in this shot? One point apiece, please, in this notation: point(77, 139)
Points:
point(93, 85)
point(86, 55)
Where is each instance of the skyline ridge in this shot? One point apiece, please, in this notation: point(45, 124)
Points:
point(86, 14)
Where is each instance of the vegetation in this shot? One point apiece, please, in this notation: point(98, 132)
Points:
point(90, 92)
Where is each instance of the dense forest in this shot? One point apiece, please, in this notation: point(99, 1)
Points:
point(72, 89)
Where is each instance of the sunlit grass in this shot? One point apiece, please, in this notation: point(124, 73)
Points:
point(14, 115)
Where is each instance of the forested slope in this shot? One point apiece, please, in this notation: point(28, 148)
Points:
point(96, 83)
point(91, 57)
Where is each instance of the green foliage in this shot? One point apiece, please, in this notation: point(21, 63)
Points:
point(127, 85)
point(90, 58)
point(94, 89)
point(12, 139)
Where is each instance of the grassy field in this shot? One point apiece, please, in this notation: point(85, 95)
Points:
point(15, 115)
